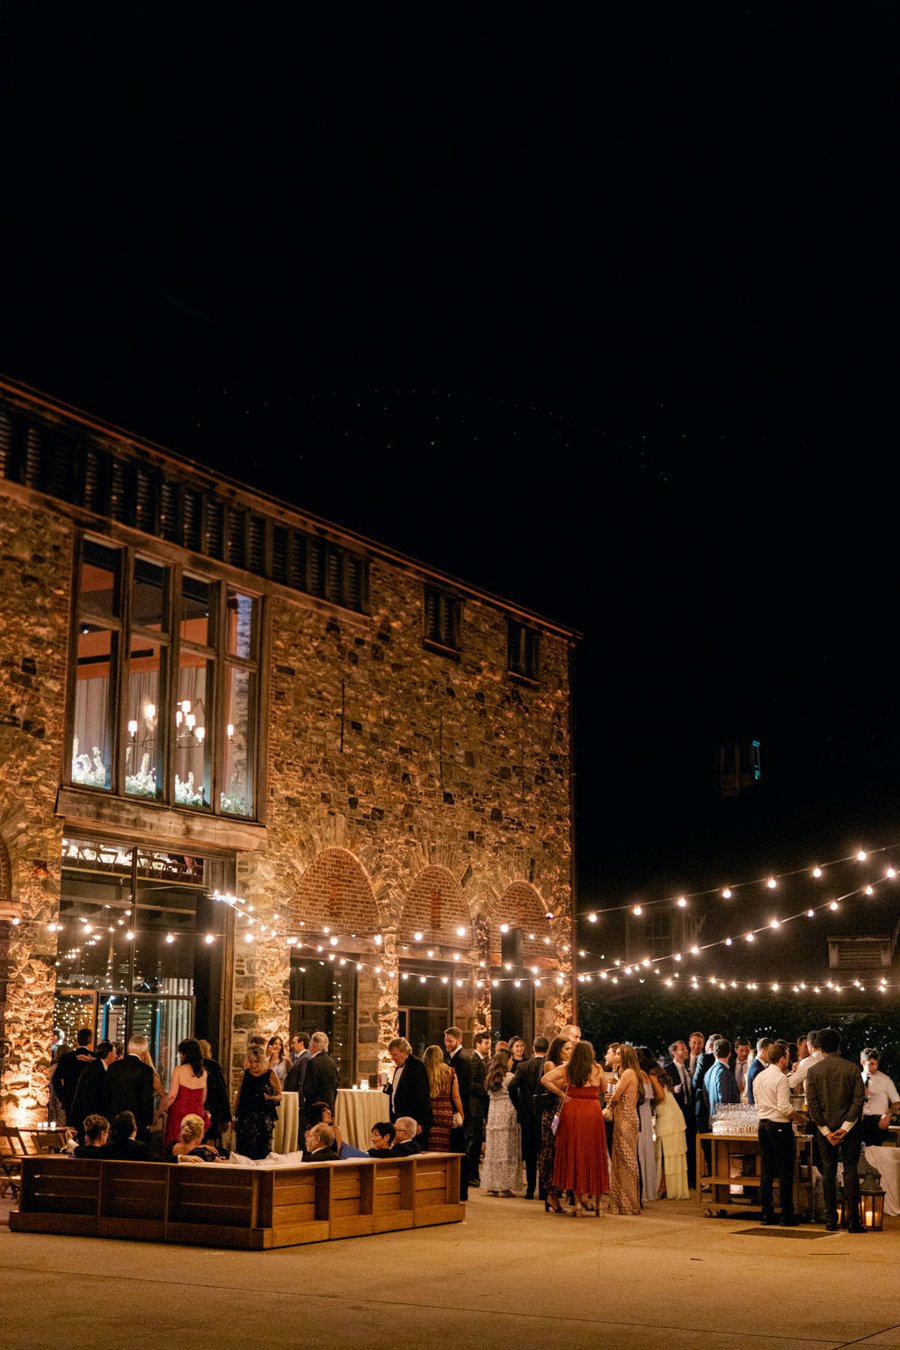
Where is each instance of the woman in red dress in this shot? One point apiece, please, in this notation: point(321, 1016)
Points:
point(187, 1092)
point(580, 1164)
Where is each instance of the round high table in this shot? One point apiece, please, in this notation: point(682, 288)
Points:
point(284, 1136)
point(356, 1112)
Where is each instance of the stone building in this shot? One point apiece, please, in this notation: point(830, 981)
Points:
point(258, 773)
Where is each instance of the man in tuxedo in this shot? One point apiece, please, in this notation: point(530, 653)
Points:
point(408, 1089)
point(835, 1097)
point(123, 1144)
point(676, 1067)
point(90, 1095)
point(696, 1042)
point(129, 1087)
point(70, 1067)
point(320, 1082)
point(478, 1104)
point(525, 1084)
point(698, 1081)
point(406, 1142)
point(459, 1060)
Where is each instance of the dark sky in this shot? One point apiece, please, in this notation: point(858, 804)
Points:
point(596, 311)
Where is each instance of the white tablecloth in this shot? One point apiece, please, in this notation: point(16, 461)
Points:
point(284, 1138)
point(887, 1160)
point(356, 1112)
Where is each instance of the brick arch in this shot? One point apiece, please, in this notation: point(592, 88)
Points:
point(335, 892)
point(436, 906)
point(522, 906)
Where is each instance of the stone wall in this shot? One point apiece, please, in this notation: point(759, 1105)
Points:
point(407, 763)
point(35, 572)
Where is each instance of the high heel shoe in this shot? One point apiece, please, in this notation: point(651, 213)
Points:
point(589, 1204)
point(552, 1207)
point(576, 1211)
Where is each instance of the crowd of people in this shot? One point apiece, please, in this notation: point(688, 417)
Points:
point(582, 1135)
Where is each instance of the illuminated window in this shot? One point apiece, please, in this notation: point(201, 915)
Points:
point(166, 683)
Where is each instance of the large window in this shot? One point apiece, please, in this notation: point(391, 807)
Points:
point(323, 998)
point(166, 682)
point(140, 945)
point(425, 1003)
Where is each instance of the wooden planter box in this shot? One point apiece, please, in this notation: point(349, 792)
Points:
point(247, 1207)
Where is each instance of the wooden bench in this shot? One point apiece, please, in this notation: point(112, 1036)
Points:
point(225, 1206)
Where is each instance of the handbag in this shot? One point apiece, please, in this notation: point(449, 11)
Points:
point(456, 1120)
point(554, 1124)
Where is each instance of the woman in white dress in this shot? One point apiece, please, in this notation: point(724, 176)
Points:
point(671, 1142)
point(653, 1092)
point(501, 1171)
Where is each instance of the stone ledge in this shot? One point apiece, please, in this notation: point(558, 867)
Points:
point(88, 811)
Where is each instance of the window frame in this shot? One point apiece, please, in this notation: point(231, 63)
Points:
point(523, 652)
point(434, 635)
point(171, 642)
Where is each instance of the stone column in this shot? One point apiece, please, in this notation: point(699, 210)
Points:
point(388, 995)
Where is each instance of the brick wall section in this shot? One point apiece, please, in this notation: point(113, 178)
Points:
point(35, 573)
point(411, 762)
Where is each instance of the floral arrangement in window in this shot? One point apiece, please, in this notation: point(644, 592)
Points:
point(232, 804)
point(89, 770)
point(186, 794)
point(143, 783)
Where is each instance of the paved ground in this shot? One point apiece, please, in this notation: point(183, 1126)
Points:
point(510, 1276)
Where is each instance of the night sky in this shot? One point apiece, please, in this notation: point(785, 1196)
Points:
point(598, 312)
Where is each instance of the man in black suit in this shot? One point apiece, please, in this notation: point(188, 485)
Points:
point(525, 1084)
point(70, 1067)
point(835, 1096)
point(129, 1087)
point(299, 1059)
point(408, 1089)
point(320, 1144)
point(460, 1062)
point(478, 1104)
point(320, 1083)
point(90, 1095)
point(406, 1141)
point(676, 1066)
point(123, 1144)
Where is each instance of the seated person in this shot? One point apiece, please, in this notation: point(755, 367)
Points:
point(320, 1113)
point(190, 1141)
point(320, 1144)
point(96, 1133)
point(382, 1137)
point(124, 1145)
point(405, 1141)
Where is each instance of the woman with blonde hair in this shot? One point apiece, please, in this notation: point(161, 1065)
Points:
point(501, 1171)
point(445, 1100)
point(190, 1142)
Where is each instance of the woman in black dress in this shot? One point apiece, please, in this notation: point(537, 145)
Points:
point(256, 1107)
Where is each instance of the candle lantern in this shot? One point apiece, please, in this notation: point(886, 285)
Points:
point(871, 1200)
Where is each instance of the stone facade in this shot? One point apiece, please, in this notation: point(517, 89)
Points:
point(413, 801)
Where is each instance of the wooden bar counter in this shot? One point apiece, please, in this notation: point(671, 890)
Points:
point(735, 1161)
point(220, 1205)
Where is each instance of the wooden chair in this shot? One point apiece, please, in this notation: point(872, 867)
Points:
point(12, 1150)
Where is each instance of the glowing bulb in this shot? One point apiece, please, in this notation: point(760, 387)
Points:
point(333, 941)
point(129, 936)
point(682, 902)
point(132, 727)
point(834, 905)
point(229, 730)
point(636, 910)
point(810, 913)
point(460, 932)
point(592, 918)
point(170, 937)
point(771, 883)
point(775, 923)
point(149, 712)
point(728, 942)
point(209, 938)
point(504, 928)
point(726, 894)
point(200, 733)
point(869, 891)
point(749, 937)
point(890, 872)
point(417, 937)
point(817, 871)
point(377, 939)
point(861, 855)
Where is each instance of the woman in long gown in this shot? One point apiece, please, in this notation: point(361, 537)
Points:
point(646, 1149)
point(187, 1091)
point(501, 1171)
point(257, 1105)
point(671, 1142)
point(558, 1053)
point(625, 1182)
point(445, 1100)
point(580, 1163)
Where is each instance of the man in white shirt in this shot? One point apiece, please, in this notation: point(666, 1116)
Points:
point(772, 1097)
point(798, 1077)
point(696, 1042)
point(741, 1064)
point(881, 1099)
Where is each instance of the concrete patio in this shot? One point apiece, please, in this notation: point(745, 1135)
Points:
point(510, 1276)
